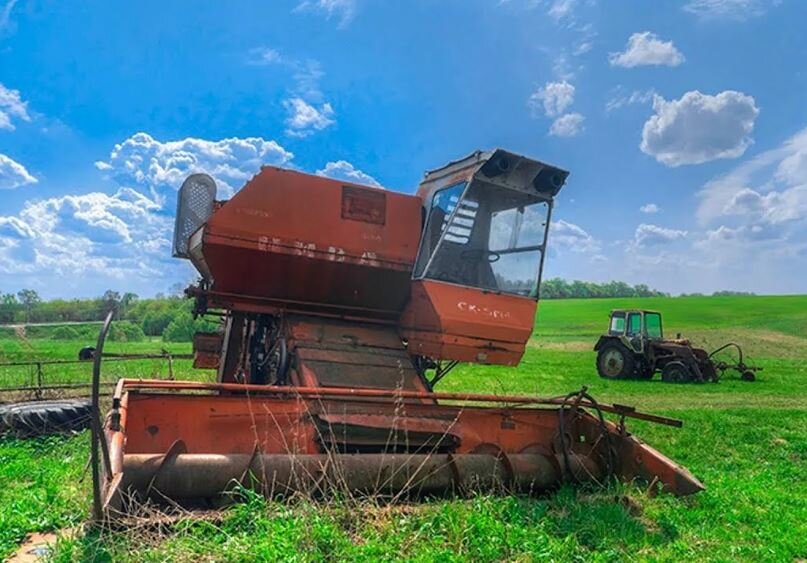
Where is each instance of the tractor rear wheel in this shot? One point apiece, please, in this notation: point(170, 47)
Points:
point(676, 372)
point(614, 361)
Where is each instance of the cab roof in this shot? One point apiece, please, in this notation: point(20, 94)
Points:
point(634, 311)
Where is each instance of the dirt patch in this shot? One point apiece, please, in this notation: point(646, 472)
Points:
point(564, 346)
point(39, 546)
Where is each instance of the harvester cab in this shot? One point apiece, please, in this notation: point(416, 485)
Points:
point(342, 307)
point(635, 348)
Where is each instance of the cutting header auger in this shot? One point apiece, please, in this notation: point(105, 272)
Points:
point(342, 307)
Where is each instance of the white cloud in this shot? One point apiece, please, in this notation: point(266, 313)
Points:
point(161, 167)
point(561, 9)
point(553, 99)
point(5, 14)
point(650, 208)
point(304, 119)
point(11, 105)
point(568, 236)
point(263, 56)
point(652, 235)
point(567, 125)
point(646, 49)
point(13, 174)
point(729, 9)
point(698, 127)
point(621, 99)
point(343, 170)
point(94, 234)
point(343, 10)
point(93, 239)
point(771, 187)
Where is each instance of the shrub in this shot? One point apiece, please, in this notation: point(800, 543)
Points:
point(155, 322)
point(183, 327)
point(65, 333)
point(126, 331)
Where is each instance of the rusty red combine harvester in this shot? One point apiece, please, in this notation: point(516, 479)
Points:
point(343, 306)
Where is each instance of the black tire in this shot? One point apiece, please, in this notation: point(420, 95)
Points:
point(39, 418)
point(676, 372)
point(614, 361)
point(748, 375)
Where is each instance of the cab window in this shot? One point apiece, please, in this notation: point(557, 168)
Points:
point(634, 324)
point(652, 323)
point(617, 324)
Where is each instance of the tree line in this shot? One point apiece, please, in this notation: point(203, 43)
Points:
point(170, 316)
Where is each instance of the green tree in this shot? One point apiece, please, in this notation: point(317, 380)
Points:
point(29, 299)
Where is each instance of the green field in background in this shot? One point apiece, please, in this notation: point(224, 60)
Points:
point(746, 441)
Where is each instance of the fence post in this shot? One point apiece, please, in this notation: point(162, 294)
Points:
point(38, 391)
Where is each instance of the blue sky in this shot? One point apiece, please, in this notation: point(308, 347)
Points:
point(684, 125)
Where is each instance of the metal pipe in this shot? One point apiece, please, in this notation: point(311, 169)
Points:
point(395, 394)
point(195, 476)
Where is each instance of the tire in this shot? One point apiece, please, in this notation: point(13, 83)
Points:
point(748, 375)
point(614, 361)
point(676, 372)
point(40, 418)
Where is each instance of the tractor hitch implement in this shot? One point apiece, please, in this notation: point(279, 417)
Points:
point(343, 306)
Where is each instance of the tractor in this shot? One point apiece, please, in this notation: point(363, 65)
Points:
point(635, 348)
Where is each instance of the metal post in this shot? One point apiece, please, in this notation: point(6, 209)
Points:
point(97, 431)
point(38, 391)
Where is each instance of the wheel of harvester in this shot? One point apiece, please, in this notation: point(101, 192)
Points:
point(676, 372)
point(39, 418)
point(615, 362)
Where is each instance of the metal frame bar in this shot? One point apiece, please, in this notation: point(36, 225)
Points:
point(394, 394)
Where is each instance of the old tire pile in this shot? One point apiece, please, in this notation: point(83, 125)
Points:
point(40, 418)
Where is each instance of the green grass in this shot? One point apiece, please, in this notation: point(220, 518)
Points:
point(746, 441)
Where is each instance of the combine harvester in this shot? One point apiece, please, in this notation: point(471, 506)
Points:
point(343, 307)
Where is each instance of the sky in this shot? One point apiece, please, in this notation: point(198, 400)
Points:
point(683, 124)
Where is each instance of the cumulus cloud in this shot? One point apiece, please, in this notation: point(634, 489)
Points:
point(97, 237)
point(552, 99)
point(729, 9)
point(11, 106)
point(114, 236)
point(160, 167)
point(568, 236)
point(567, 125)
point(699, 127)
point(647, 235)
point(771, 187)
point(342, 10)
point(650, 208)
point(303, 118)
point(343, 170)
point(646, 49)
point(13, 174)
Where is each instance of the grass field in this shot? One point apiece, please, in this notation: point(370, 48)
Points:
point(746, 441)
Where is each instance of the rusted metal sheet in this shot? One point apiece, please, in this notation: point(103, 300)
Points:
point(207, 349)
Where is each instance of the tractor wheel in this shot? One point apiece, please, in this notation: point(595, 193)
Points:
point(39, 418)
point(615, 362)
point(676, 372)
point(748, 375)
